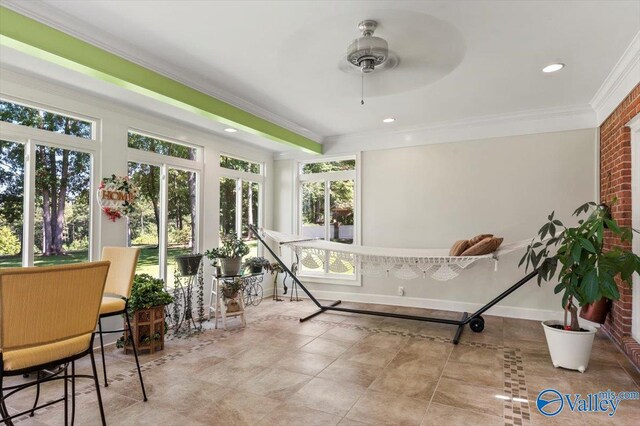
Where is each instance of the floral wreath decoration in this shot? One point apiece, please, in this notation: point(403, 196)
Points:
point(117, 196)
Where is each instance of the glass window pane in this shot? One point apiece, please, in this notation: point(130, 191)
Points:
point(45, 120)
point(228, 207)
point(147, 143)
point(250, 201)
point(236, 164)
point(341, 205)
point(11, 199)
point(143, 224)
point(313, 210)
point(182, 217)
point(330, 166)
point(62, 206)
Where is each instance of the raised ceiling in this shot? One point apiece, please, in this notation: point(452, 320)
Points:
point(458, 59)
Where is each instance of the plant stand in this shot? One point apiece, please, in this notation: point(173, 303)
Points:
point(147, 328)
point(182, 319)
point(218, 305)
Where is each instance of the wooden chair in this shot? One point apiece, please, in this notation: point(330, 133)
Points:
point(117, 292)
point(47, 319)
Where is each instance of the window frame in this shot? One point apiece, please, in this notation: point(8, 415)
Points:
point(241, 176)
point(300, 178)
point(166, 162)
point(30, 137)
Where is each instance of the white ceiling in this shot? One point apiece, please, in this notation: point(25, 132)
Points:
point(458, 59)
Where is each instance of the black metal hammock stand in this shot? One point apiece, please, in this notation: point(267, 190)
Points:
point(475, 320)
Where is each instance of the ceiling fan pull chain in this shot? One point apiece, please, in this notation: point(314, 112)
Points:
point(362, 90)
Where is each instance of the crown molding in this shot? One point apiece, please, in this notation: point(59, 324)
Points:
point(53, 17)
point(546, 120)
point(624, 76)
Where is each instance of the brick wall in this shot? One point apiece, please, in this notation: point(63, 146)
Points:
point(615, 181)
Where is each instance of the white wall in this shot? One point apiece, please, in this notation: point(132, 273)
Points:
point(430, 196)
point(114, 122)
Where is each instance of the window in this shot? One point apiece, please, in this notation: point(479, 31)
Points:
point(46, 209)
point(159, 146)
point(328, 211)
point(32, 117)
point(240, 199)
point(165, 226)
point(11, 201)
point(237, 164)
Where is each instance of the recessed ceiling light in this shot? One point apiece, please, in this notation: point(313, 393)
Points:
point(389, 120)
point(230, 130)
point(553, 68)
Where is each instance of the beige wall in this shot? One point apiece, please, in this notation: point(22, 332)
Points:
point(430, 196)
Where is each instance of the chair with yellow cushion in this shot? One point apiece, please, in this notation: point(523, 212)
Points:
point(47, 319)
point(117, 292)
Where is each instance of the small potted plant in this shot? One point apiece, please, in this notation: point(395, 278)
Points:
point(188, 264)
point(146, 310)
point(230, 254)
point(230, 291)
point(255, 265)
point(586, 274)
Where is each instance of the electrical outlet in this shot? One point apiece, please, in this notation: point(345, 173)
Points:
point(400, 291)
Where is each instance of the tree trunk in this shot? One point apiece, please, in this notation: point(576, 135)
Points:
point(46, 205)
point(62, 197)
point(154, 200)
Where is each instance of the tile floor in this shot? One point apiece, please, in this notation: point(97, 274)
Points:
point(348, 370)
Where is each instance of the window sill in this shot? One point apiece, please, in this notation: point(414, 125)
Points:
point(331, 280)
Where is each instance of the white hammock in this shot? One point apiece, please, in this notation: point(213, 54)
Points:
point(405, 264)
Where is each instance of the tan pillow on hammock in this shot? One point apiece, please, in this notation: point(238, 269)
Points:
point(475, 240)
point(486, 246)
point(459, 247)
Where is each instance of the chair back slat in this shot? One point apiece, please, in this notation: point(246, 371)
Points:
point(41, 305)
point(123, 268)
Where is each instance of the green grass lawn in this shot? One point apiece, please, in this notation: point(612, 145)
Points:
point(147, 263)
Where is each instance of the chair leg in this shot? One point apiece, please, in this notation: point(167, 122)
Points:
point(66, 396)
point(73, 392)
point(135, 353)
point(35, 403)
point(97, 383)
point(4, 412)
point(104, 364)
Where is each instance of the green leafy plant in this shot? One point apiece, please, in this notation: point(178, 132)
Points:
point(148, 292)
point(255, 262)
point(230, 247)
point(586, 273)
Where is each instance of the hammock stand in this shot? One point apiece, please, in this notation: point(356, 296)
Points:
point(475, 320)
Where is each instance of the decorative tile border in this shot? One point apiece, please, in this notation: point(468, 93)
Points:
point(515, 412)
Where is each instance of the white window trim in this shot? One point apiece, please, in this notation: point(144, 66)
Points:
point(299, 179)
point(166, 162)
point(30, 137)
point(634, 126)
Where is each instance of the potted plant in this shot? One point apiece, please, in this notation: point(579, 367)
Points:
point(188, 264)
point(230, 254)
point(255, 265)
point(146, 310)
point(585, 272)
point(230, 291)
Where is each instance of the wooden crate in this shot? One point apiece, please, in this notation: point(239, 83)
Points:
point(145, 324)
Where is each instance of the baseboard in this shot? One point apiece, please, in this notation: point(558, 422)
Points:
point(445, 305)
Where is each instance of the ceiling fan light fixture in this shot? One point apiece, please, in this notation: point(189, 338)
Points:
point(368, 52)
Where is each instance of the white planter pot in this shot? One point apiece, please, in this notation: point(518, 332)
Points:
point(569, 349)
